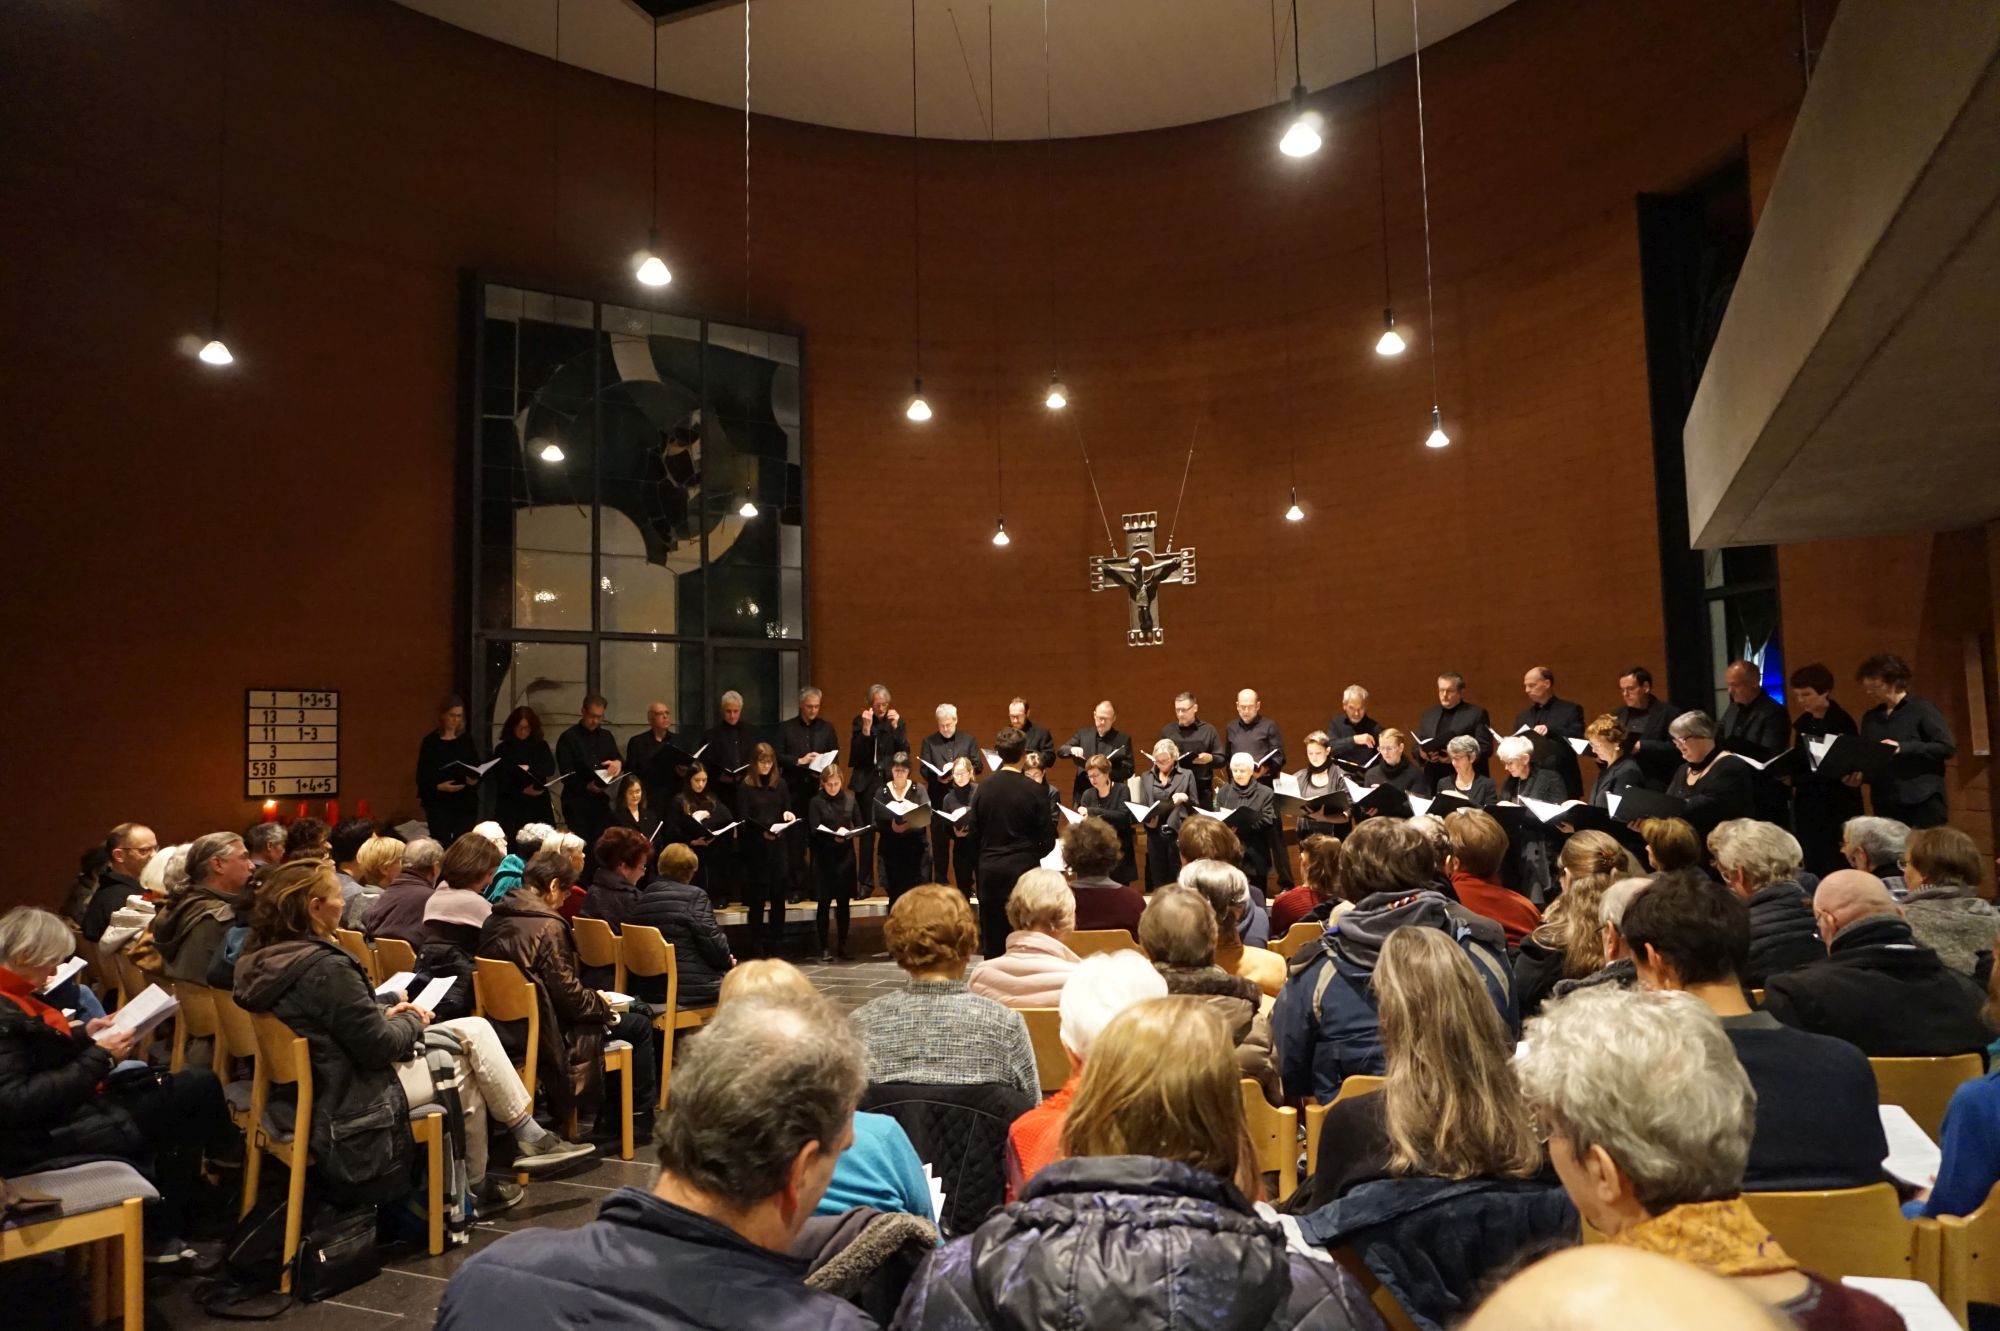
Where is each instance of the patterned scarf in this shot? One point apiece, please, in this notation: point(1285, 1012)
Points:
point(1724, 1237)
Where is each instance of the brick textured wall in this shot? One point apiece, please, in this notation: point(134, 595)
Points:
point(185, 534)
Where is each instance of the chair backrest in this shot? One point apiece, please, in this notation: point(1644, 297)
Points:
point(1923, 1086)
point(596, 945)
point(356, 946)
point(1358, 1084)
point(394, 956)
point(645, 951)
point(1297, 937)
point(233, 1026)
point(1274, 1137)
point(1089, 942)
point(1315, 1120)
point(282, 1056)
point(502, 992)
point(197, 1009)
point(1045, 1034)
point(1969, 1266)
point(1851, 1232)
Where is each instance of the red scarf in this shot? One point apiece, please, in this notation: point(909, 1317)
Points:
point(16, 988)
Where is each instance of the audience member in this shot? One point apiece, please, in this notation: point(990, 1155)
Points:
point(1671, 843)
point(344, 844)
point(1568, 945)
point(131, 847)
point(1970, 1139)
point(1091, 850)
point(1325, 1021)
point(686, 921)
point(1816, 1122)
point(1037, 962)
point(305, 839)
point(1318, 898)
point(191, 929)
point(165, 875)
point(1478, 848)
point(1598, 1285)
point(1179, 931)
point(1103, 986)
point(1213, 839)
point(1228, 892)
point(1877, 846)
point(529, 840)
point(60, 1098)
point(1649, 1118)
point(453, 916)
point(266, 844)
point(1761, 863)
point(1147, 1220)
point(931, 934)
point(1942, 868)
point(399, 911)
point(1450, 1108)
point(763, 1107)
point(1877, 988)
point(622, 857)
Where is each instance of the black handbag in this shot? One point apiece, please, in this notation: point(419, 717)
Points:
point(337, 1252)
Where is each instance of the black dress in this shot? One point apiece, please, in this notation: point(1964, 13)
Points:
point(1163, 855)
point(833, 859)
point(1315, 781)
point(450, 814)
point(525, 764)
point(1530, 864)
point(1111, 808)
point(904, 854)
point(1483, 794)
point(718, 858)
point(1821, 805)
point(762, 863)
point(964, 850)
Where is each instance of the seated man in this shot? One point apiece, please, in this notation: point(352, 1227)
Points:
point(1878, 988)
point(1478, 848)
point(763, 1106)
point(1816, 1121)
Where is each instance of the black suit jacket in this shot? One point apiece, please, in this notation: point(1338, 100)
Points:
point(1761, 728)
point(1552, 751)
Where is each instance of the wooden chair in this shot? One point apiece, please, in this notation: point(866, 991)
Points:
point(357, 947)
point(123, 1220)
point(1851, 1232)
point(647, 953)
point(132, 981)
point(236, 1040)
point(1923, 1086)
point(392, 957)
point(1297, 937)
point(597, 946)
point(1089, 942)
point(1393, 1314)
point(1315, 1116)
point(1358, 1084)
point(1274, 1136)
point(501, 993)
point(283, 1059)
point(196, 1020)
point(1045, 1034)
point(1969, 1260)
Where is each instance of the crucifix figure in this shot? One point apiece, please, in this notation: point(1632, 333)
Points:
point(1142, 572)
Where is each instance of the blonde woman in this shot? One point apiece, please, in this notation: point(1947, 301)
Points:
point(1037, 962)
point(1569, 942)
point(1450, 1109)
point(1149, 1214)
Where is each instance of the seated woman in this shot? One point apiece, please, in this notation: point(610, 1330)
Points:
point(453, 916)
point(190, 929)
point(60, 1097)
point(1970, 1138)
point(1090, 849)
point(1228, 893)
point(1449, 1108)
point(1149, 1214)
point(1179, 932)
point(623, 858)
point(1648, 1116)
point(1476, 848)
point(368, 1062)
point(1941, 868)
point(687, 923)
point(1316, 898)
point(1031, 972)
point(1671, 843)
point(934, 1031)
point(526, 929)
point(1466, 781)
point(1568, 945)
point(1102, 799)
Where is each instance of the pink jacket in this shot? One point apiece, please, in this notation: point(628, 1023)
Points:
point(1031, 973)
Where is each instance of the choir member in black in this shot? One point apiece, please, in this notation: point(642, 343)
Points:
point(448, 791)
point(878, 735)
point(1615, 749)
point(1320, 777)
point(1453, 715)
point(1646, 718)
point(1200, 747)
point(1031, 767)
point(1466, 781)
point(1353, 732)
point(1754, 723)
point(1102, 799)
point(1253, 825)
point(583, 750)
point(1168, 790)
point(1396, 769)
point(1554, 723)
point(765, 809)
point(802, 740)
point(906, 850)
point(1254, 733)
point(834, 809)
point(728, 748)
point(1821, 805)
point(1035, 737)
point(1715, 786)
point(1530, 851)
point(964, 851)
point(940, 753)
point(647, 757)
point(1101, 737)
point(697, 816)
point(523, 776)
point(1010, 826)
point(1912, 790)
point(629, 808)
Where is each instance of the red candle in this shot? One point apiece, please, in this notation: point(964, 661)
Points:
point(302, 810)
point(333, 813)
point(361, 810)
point(270, 811)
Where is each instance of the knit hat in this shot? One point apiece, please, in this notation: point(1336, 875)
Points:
point(505, 878)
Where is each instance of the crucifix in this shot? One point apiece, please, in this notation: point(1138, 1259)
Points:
point(1142, 572)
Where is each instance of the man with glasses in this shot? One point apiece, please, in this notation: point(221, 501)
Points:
point(1646, 718)
point(1200, 746)
point(132, 847)
point(584, 750)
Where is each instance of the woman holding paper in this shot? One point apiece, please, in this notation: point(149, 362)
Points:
point(1104, 799)
point(1318, 779)
point(1245, 803)
point(900, 829)
point(766, 810)
point(1617, 754)
point(957, 799)
point(1821, 805)
point(1166, 795)
point(1530, 848)
point(836, 820)
point(59, 1095)
point(1466, 782)
point(447, 782)
point(526, 768)
point(630, 810)
point(1396, 769)
point(697, 817)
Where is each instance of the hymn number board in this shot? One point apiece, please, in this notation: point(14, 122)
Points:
point(291, 742)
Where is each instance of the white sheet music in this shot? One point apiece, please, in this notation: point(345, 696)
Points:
point(433, 993)
point(1913, 1157)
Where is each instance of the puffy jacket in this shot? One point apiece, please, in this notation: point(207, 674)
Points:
point(611, 897)
point(1951, 921)
point(50, 1105)
point(1030, 973)
point(1132, 1242)
point(360, 1133)
point(1881, 991)
point(191, 930)
point(1239, 1002)
point(1783, 935)
point(686, 920)
point(570, 1058)
point(1325, 1021)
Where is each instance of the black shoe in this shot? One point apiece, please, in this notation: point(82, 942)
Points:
point(170, 1252)
point(492, 1196)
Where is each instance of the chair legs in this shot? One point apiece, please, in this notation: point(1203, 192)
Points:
point(664, 1025)
point(131, 1257)
point(295, 1211)
point(429, 1132)
point(620, 1062)
point(253, 1170)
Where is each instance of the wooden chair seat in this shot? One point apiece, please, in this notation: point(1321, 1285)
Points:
point(102, 1201)
point(1850, 1232)
point(1274, 1136)
point(597, 946)
point(393, 956)
point(196, 1020)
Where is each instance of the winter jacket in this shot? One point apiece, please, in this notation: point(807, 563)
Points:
point(1132, 1242)
point(360, 1132)
point(51, 1104)
point(1030, 973)
point(686, 920)
point(191, 930)
point(1325, 1021)
point(643, 1263)
point(611, 897)
point(112, 890)
point(1538, 968)
point(1783, 934)
point(1951, 921)
point(569, 1060)
point(452, 921)
point(1883, 992)
point(399, 911)
point(1239, 1002)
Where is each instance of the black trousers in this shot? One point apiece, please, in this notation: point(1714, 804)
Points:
point(942, 859)
point(637, 1031)
point(1163, 858)
point(183, 1117)
point(997, 875)
point(903, 858)
point(834, 889)
point(965, 863)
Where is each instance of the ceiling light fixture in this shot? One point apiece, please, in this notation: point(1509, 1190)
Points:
point(652, 269)
point(1058, 397)
point(1295, 513)
point(1392, 342)
point(1302, 139)
point(550, 451)
point(1000, 536)
point(917, 409)
point(1437, 437)
point(748, 508)
point(215, 351)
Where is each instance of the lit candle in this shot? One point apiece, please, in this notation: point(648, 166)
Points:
point(270, 811)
